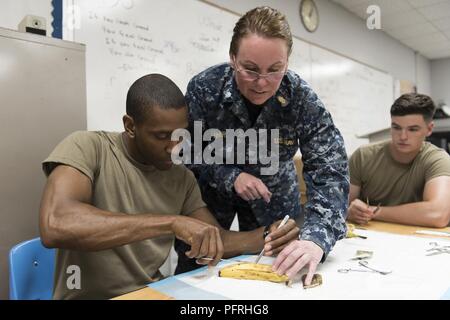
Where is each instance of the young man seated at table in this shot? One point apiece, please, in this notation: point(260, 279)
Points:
point(114, 202)
point(403, 180)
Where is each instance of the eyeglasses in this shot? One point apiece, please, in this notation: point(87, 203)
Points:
point(250, 75)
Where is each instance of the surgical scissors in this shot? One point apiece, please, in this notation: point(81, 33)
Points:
point(437, 249)
point(198, 260)
point(364, 264)
point(347, 270)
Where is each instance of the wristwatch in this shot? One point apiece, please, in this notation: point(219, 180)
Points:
point(266, 231)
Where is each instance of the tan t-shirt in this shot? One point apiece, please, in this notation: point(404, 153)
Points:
point(384, 180)
point(120, 184)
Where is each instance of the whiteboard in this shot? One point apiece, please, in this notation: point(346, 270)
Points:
point(127, 39)
point(359, 98)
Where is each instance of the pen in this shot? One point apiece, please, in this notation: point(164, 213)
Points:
point(283, 222)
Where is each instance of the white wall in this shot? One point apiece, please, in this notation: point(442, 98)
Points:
point(423, 75)
point(13, 11)
point(345, 33)
point(440, 80)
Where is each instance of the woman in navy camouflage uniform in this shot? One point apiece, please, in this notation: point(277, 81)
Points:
point(255, 90)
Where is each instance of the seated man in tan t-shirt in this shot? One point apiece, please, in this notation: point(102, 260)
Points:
point(114, 202)
point(403, 180)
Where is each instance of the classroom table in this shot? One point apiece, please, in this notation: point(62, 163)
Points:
point(149, 293)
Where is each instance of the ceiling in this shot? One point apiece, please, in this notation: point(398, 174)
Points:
point(422, 25)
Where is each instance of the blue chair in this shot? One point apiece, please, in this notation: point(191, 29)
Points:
point(31, 268)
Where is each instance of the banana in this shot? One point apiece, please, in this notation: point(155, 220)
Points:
point(252, 271)
point(351, 233)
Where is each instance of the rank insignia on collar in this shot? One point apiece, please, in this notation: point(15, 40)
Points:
point(282, 101)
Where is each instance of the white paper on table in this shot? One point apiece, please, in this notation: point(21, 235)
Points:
point(414, 275)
